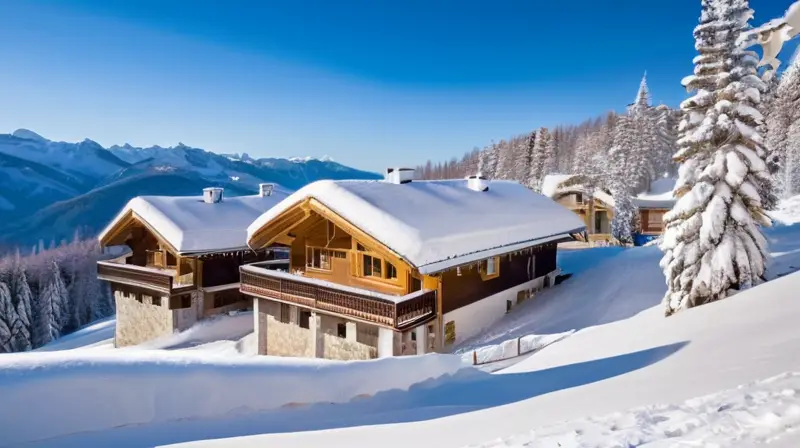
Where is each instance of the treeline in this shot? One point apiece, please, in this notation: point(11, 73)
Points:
point(620, 153)
point(645, 137)
point(49, 294)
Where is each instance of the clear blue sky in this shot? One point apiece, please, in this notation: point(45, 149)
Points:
point(372, 83)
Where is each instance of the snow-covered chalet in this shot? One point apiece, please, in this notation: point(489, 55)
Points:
point(595, 206)
point(399, 266)
point(182, 259)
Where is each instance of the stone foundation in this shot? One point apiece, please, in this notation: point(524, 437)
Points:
point(140, 318)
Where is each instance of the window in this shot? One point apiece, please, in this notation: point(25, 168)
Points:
point(156, 300)
point(180, 302)
point(491, 268)
point(416, 284)
point(508, 306)
point(341, 330)
point(579, 198)
point(391, 271)
point(321, 258)
point(305, 318)
point(372, 266)
point(655, 220)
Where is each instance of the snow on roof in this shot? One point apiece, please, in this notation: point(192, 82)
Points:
point(435, 225)
point(551, 183)
point(659, 195)
point(192, 226)
point(551, 186)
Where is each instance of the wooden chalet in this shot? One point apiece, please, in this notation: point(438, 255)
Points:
point(183, 258)
point(594, 206)
point(400, 266)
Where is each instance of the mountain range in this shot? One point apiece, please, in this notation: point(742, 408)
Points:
point(49, 190)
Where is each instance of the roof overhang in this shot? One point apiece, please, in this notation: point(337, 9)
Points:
point(450, 263)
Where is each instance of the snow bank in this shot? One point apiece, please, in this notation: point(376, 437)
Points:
point(214, 329)
point(511, 348)
point(75, 391)
point(97, 334)
point(759, 412)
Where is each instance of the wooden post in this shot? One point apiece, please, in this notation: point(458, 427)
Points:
point(474, 358)
point(519, 343)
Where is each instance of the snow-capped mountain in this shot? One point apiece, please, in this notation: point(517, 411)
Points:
point(49, 189)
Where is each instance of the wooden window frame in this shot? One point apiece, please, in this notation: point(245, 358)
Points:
point(484, 270)
point(329, 254)
point(361, 252)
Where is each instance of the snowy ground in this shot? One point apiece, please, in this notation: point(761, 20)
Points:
point(725, 374)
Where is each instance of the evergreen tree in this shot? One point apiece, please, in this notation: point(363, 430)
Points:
point(623, 178)
point(8, 320)
point(21, 299)
point(52, 303)
point(712, 244)
point(538, 158)
point(784, 149)
point(550, 162)
point(530, 178)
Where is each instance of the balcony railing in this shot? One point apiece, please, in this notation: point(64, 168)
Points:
point(398, 312)
point(161, 280)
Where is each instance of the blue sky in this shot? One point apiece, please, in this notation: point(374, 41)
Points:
point(371, 83)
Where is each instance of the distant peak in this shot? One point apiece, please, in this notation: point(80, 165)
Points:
point(28, 135)
point(309, 158)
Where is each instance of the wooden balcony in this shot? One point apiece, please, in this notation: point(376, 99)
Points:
point(164, 281)
point(397, 312)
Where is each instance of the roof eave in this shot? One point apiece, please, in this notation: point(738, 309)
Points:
point(444, 265)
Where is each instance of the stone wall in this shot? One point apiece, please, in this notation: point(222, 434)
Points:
point(288, 339)
point(141, 320)
point(342, 349)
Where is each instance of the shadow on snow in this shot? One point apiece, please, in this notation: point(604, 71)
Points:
point(467, 391)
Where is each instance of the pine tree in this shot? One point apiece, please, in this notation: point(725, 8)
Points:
point(52, 304)
point(8, 320)
point(529, 179)
point(550, 153)
point(784, 149)
point(624, 177)
point(538, 159)
point(21, 299)
point(713, 245)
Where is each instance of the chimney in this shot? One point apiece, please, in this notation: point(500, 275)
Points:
point(399, 175)
point(477, 182)
point(265, 189)
point(212, 195)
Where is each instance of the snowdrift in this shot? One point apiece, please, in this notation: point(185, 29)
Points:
point(76, 391)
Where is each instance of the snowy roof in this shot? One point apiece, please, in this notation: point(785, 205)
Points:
point(659, 195)
point(192, 226)
point(552, 182)
point(551, 186)
point(435, 225)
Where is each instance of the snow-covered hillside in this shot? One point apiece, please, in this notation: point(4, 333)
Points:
point(723, 374)
point(50, 189)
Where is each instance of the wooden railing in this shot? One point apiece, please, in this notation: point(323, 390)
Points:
point(397, 312)
point(148, 278)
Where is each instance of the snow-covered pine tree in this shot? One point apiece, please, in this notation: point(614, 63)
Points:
point(550, 159)
point(8, 320)
point(641, 104)
point(783, 113)
point(712, 244)
point(623, 164)
point(666, 127)
point(21, 299)
point(528, 173)
point(490, 165)
point(53, 301)
point(538, 158)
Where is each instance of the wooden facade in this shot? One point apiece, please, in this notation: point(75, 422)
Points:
point(596, 214)
point(325, 247)
point(157, 283)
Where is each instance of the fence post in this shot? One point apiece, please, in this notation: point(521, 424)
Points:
point(474, 358)
point(519, 343)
